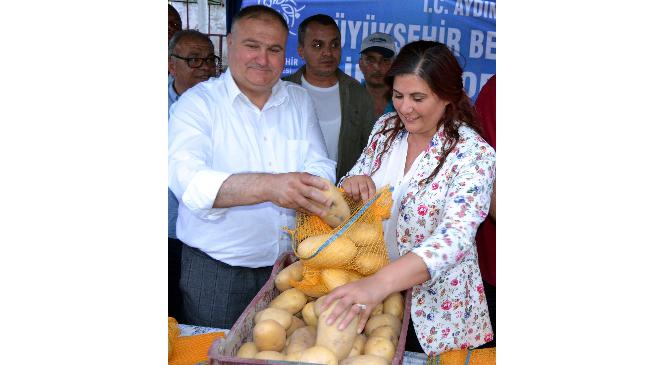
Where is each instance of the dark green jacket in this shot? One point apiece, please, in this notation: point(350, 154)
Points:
point(356, 119)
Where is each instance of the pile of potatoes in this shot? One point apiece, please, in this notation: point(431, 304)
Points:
point(292, 328)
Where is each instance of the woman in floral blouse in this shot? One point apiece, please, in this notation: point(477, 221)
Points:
point(442, 172)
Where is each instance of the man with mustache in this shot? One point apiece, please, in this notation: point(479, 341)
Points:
point(377, 52)
point(245, 151)
point(191, 59)
point(344, 107)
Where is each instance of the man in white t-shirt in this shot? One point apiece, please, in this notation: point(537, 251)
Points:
point(344, 108)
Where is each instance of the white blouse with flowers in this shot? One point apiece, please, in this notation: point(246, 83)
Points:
point(438, 222)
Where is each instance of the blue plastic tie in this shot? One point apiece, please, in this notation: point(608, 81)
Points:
point(345, 227)
point(468, 356)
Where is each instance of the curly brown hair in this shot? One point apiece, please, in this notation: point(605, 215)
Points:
point(434, 63)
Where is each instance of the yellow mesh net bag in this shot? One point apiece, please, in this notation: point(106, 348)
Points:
point(332, 257)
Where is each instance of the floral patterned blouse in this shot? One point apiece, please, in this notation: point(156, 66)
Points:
point(438, 222)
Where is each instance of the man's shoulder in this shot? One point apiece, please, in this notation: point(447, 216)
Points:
point(347, 79)
point(295, 77)
point(353, 85)
point(210, 88)
point(293, 89)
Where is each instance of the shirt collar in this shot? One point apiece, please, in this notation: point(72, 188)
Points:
point(278, 96)
point(172, 95)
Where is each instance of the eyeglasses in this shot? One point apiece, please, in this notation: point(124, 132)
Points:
point(196, 62)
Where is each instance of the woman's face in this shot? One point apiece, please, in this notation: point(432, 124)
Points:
point(418, 106)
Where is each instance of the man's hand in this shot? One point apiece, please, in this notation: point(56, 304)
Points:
point(300, 191)
point(359, 187)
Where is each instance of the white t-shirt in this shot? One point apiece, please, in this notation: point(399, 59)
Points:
point(391, 173)
point(327, 104)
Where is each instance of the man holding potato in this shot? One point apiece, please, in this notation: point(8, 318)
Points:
point(245, 150)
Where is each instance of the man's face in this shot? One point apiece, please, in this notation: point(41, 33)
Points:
point(321, 49)
point(174, 23)
point(185, 76)
point(256, 54)
point(374, 67)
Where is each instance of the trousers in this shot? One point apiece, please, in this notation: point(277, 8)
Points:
point(214, 293)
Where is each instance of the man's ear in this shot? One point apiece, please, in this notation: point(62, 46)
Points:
point(300, 50)
point(171, 66)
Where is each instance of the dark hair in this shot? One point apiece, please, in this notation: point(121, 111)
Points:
point(258, 12)
point(434, 63)
point(187, 33)
point(321, 19)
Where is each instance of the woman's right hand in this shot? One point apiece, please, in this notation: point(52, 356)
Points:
point(359, 187)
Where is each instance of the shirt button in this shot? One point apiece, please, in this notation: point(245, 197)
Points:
point(264, 138)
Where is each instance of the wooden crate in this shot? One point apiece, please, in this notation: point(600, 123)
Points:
point(223, 350)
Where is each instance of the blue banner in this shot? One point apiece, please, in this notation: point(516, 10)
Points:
point(468, 27)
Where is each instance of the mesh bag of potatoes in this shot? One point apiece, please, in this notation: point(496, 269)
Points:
point(345, 245)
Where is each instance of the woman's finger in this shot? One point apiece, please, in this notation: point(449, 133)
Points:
point(364, 317)
point(339, 308)
point(356, 190)
point(352, 312)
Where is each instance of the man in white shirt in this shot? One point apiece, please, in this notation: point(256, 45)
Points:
point(343, 106)
point(245, 150)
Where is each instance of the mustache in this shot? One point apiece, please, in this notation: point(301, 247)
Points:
point(259, 67)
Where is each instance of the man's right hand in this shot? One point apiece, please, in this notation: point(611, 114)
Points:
point(300, 191)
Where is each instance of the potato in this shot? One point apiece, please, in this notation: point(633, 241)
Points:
point(294, 357)
point(339, 342)
point(354, 276)
point(358, 345)
point(310, 318)
point(281, 316)
point(377, 310)
point(380, 346)
point(291, 300)
point(386, 332)
point(269, 335)
point(393, 305)
point(301, 339)
point(295, 324)
point(318, 305)
point(314, 291)
point(319, 355)
point(269, 355)
point(364, 234)
point(292, 271)
point(365, 360)
point(337, 254)
point(333, 278)
point(369, 263)
point(339, 210)
point(382, 320)
point(247, 350)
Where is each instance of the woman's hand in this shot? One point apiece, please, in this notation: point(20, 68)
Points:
point(366, 291)
point(359, 187)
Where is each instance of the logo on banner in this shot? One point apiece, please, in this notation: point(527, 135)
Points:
point(287, 8)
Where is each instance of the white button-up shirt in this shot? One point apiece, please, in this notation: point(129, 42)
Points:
point(214, 132)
